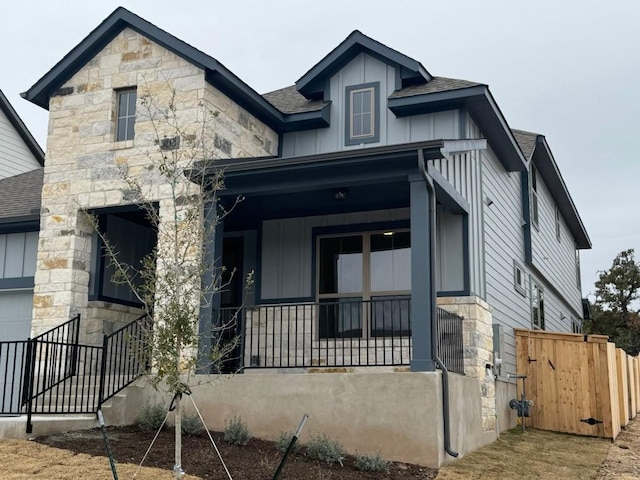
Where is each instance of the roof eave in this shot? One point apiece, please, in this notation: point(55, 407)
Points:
point(479, 102)
point(552, 177)
point(216, 73)
point(21, 128)
point(353, 45)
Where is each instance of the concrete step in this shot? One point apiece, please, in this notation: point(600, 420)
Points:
point(16, 427)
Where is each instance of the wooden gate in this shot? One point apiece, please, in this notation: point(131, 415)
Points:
point(572, 380)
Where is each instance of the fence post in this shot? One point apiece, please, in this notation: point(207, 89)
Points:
point(76, 342)
point(103, 369)
point(29, 378)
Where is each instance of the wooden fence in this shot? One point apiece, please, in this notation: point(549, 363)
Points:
point(579, 384)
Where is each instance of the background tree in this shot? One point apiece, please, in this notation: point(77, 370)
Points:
point(175, 280)
point(613, 313)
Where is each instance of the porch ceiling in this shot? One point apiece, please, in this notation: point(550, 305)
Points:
point(321, 201)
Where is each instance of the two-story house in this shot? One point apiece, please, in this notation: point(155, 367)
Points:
point(397, 227)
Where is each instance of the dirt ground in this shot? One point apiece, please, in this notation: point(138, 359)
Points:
point(623, 459)
point(535, 454)
point(532, 455)
point(81, 455)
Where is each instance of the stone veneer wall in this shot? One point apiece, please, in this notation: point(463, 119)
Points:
point(478, 348)
point(81, 169)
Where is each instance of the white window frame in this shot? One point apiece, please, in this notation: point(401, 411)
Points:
point(518, 273)
point(372, 132)
point(537, 294)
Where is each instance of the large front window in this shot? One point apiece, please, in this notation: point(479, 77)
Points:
point(364, 284)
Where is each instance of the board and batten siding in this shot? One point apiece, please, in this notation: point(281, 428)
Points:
point(15, 156)
point(463, 172)
point(504, 243)
point(554, 258)
point(366, 69)
point(18, 255)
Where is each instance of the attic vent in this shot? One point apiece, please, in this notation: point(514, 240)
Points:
point(170, 143)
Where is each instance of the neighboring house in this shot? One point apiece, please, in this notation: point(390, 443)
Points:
point(371, 187)
point(21, 162)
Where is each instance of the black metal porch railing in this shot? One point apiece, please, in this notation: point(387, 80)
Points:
point(54, 373)
point(450, 341)
point(336, 333)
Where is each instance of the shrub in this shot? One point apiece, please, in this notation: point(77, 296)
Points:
point(191, 424)
point(283, 441)
point(151, 416)
point(236, 432)
point(325, 449)
point(372, 463)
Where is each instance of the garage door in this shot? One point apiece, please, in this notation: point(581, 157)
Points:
point(15, 324)
point(15, 315)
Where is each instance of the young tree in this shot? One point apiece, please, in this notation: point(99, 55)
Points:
point(175, 280)
point(613, 313)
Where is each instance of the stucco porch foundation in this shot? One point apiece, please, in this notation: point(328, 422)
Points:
point(397, 414)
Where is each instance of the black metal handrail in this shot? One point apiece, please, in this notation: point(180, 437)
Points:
point(54, 373)
point(125, 356)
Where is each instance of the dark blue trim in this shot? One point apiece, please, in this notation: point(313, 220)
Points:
point(482, 108)
point(454, 293)
point(359, 228)
point(376, 114)
point(313, 83)
point(466, 271)
point(279, 301)
point(547, 169)
point(526, 215)
point(21, 128)
point(258, 273)
point(355, 228)
point(446, 193)
point(31, 225)
point(18, 282)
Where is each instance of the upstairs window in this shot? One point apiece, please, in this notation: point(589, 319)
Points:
point(362, 109)
point(578, 282)
point(126, 119)
point(518, 279)
point(537, 306)
point(557, 223)
point(534, 195)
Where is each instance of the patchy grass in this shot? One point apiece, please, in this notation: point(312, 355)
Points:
point(532, 455)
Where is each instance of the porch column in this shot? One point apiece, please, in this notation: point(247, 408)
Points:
point(211, 298)
point(422, 356)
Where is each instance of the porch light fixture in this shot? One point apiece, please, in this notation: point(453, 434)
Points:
point(340, 194)
point(388, 234)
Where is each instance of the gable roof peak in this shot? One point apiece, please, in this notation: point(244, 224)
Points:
point(312, 83)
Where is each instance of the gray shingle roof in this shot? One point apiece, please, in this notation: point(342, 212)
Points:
point(288, 100)
point(435, 85)
point(526, 141)
point(20, 195)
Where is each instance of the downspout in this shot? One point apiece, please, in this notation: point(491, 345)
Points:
point(432, 275)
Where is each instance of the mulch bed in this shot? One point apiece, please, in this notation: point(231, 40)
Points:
point(258, 460)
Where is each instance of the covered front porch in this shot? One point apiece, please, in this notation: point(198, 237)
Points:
point(342, 249)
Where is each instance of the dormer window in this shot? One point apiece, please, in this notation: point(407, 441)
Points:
point(362, 109)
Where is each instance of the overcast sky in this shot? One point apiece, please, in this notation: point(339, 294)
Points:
point(567, 69)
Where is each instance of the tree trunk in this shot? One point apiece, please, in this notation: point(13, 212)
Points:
point(177, 469)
